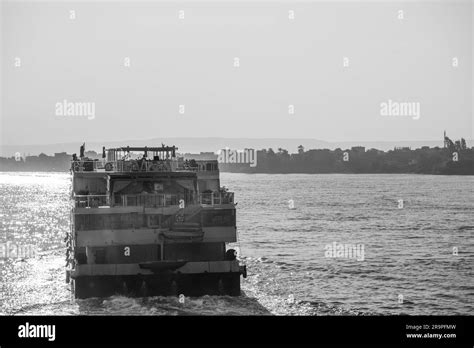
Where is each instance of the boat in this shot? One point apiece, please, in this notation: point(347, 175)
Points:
point(146, 222)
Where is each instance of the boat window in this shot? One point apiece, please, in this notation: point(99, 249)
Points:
point(221, 217)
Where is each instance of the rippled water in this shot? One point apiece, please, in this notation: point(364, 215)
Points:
point(408, 252)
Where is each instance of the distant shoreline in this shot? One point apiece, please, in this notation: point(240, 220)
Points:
point(455, 158)
point(211, 144)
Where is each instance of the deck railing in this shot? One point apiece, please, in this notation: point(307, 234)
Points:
point(151, 200)
point(92, 201)
point(140, 166)
point(148, 200)
point(216, 198)
point(121, 166)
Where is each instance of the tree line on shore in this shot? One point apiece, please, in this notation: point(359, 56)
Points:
point(453, 159)
point(356, 160)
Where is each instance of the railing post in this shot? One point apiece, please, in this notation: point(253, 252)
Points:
point(212, 198)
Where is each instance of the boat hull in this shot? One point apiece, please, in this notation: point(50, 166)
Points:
point(157, 285)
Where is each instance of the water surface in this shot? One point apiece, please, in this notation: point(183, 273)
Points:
point(408, 252)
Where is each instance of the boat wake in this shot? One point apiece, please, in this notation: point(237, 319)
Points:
point(34, 280)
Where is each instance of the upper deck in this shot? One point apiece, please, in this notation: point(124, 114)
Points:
point(140, 160)
point(145, 176)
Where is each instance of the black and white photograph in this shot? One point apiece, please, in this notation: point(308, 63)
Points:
point(254, 160)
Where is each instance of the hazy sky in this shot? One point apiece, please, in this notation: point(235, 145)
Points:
point(190, 62)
